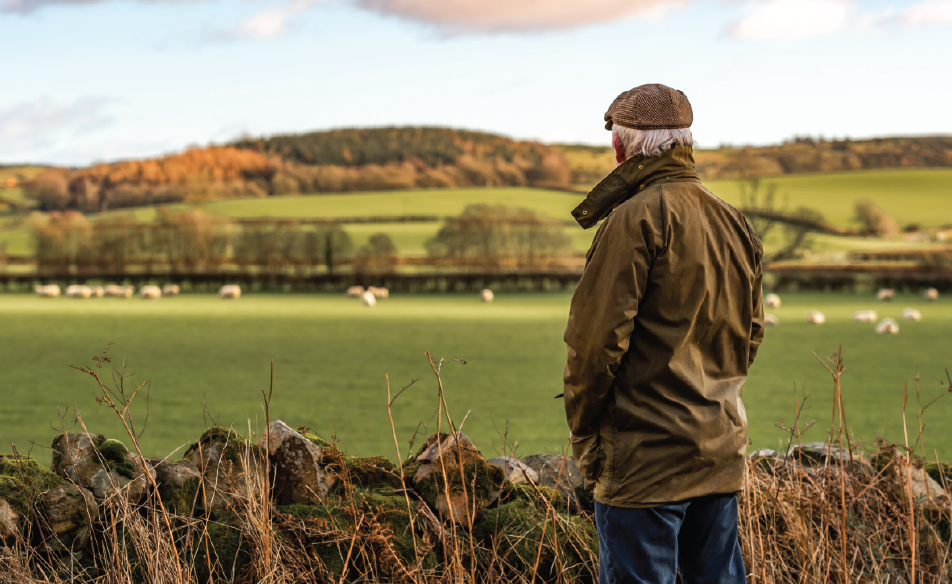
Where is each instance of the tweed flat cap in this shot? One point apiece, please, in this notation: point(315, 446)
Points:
point(650, 107)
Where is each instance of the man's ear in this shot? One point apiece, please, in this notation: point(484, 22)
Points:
point(619, 148)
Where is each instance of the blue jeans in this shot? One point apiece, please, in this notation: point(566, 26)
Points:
point(697, 538)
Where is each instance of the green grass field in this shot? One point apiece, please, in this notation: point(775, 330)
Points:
point(331, 356)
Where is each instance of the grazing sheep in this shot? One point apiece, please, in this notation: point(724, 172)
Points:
point(815, 317)
point(885, 294)
point(931, 294)
point(119, 291)
point(771, 320)
point(887, 325)
point(98, 291)
point(355, 291)
point(486, 295)
point(231, 291)
point(911, 314)
point(772, 301)
point(368, 299)
point(379, 292)
point(79, 291)
point(170, 290)
point(865, 316)
point(150, 292)
point(48, 291)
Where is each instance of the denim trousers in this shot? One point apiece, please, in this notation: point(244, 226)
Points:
point(697, 538)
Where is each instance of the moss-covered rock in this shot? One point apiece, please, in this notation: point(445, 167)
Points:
point(229, 466)
point(68, 513)
point(298, 475)
point(105, 467)
point(519, 529)
point(558, 472)
point(179, 482)
point(221, 554)
point(452, 476)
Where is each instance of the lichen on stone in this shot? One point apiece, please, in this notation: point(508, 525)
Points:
point(116, 456)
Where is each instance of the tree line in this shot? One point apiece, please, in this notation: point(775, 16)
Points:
point(481, 236)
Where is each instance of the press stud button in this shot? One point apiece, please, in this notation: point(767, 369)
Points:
point(584, 212)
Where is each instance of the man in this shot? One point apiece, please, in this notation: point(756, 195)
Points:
point(663, 326)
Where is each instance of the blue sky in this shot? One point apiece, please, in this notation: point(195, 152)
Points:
point(84, 81)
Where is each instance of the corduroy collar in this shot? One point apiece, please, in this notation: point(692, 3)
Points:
point(630, 178)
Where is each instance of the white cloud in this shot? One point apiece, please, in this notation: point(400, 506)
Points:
point(271, 22)
point(927, 13)
point(474, 16)
point(793, 19)
point(27, 127)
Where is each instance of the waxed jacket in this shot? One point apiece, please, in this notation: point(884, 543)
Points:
point(663, 326)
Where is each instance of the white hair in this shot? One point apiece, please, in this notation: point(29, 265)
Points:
point(651, 142)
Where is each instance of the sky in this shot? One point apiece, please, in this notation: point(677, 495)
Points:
point(84, 81)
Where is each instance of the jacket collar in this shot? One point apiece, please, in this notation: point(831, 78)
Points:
point(630, 178)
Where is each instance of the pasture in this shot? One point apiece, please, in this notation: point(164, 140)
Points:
point(208, 359)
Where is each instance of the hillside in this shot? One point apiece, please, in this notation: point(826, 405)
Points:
point(386, 159)
point(590, 164)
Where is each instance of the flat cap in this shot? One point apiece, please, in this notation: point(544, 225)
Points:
point(650, 107)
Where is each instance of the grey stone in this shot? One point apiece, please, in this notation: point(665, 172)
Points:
point(221, 456)
point(9, 522)
point(178, 484)
point(818, 454)
point(548, 467)
point(298, 474)
point(68, 513)
point(105, 467)
point(515, 469)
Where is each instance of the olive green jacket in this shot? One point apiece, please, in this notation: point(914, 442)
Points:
point(663, 326)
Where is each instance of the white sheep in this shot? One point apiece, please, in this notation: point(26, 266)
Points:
point(355, 291)
point(379, 293)
point(230, 291)
point(771, 320)
point(78, 291)
point(368, 299)
point(772, 301)
point(48, 291)
point(887, 325)
point(815, 317)
point(119, 291)
point(885, 294)
point(98, 291)
point(931, 294)
point(865, 316)
point(150, 292)
point(486, 295)
point(170, 290)
point(911, 314)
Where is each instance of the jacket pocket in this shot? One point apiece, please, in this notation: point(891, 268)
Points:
point(589, 453)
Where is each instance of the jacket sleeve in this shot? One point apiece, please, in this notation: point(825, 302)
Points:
point(757, 297)
point(757, 324)
point(601, 318)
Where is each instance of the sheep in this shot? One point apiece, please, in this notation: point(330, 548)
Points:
point(486, 295)
point(911, 314)
point(368, 299)
point(170, 290)
point(815, 317)
point(771, 320)
point(119, 291)
point(865, 316)
point(230, 291)
point(355, 291)
point(931, 294)
point(150, 292)
point(887, 325)
point(98, 291)
point(379, 292)
point(772, 301)
point(885, 294)
point(79, 291)
point(48, 291)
